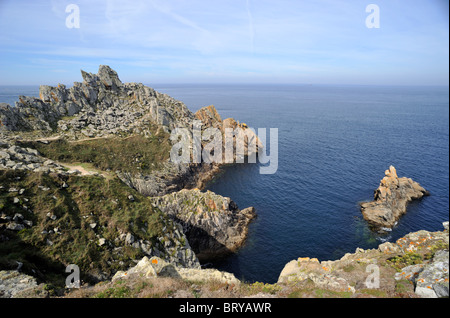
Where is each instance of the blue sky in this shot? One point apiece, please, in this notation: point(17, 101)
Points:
point(232, 41)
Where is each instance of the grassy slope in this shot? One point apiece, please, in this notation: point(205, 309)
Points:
point(87, 200)
point(134, 154)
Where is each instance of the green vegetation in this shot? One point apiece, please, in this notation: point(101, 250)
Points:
point(133, 154)
point(118, 290)
point(63, 219)
point(308, 289)
point(404, 286)
point(409, 258)
point(258, 287)
point(378, 293)
point(326, 293)
point(437, 246)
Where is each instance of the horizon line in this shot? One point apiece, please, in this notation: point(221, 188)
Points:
point(247, 83)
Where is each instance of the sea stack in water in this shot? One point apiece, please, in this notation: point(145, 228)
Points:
point(390, 199)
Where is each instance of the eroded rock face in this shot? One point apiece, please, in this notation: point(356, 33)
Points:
point(209, 117)
point(171, 177)
point(103, 106)
point(213, 224)
point(391, 199)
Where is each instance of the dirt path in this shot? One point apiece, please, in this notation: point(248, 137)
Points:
point(86, 171)
point(82, 170)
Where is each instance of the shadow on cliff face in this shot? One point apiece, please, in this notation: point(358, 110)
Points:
point(206, 247)
point(48, 221)
point(19, 255)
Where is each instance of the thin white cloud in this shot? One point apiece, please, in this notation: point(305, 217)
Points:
point(164, 8)
point(228, 37)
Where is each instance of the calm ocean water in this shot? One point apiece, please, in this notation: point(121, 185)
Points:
point(335, 142)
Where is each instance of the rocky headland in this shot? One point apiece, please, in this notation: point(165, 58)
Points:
point(86, 179)
point(391, 199)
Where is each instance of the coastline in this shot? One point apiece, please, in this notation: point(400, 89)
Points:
point(33, 159)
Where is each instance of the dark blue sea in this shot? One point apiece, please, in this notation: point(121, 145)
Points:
point(335, 142)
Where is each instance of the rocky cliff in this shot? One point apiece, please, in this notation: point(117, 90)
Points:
point(213, 224)
point(414, 265)
point(391, 199)
point(77, 166)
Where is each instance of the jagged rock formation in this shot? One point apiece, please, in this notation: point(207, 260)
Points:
point(391, 199)
point(101, 105)
point(241, 133)
point(213, 224)
point(209, 117)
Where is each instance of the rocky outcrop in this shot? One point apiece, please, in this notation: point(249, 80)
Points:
point(14, 284)
point(243, 140)
point(416, 264)
point(209, 117)
point(156, 267)
point(432, 281)
point(20, 158)
point(391, 199)
point(173, 177)
point(169, 178)
point(101, 105)
point(173, 246)
point(213, 224)
point(59, 217)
